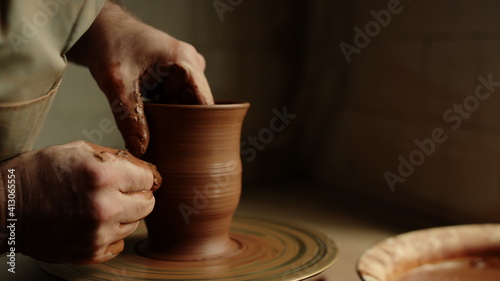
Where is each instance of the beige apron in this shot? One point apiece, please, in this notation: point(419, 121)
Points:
point(34, 36)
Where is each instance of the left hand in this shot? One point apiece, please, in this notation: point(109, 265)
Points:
point(127, 57)
point(77, 202)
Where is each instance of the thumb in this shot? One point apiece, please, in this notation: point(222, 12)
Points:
point(128, 110)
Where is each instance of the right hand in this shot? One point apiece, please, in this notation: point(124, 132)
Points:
point(77, 202)
point(132, 57)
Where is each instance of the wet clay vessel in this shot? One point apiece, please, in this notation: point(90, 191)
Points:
point(191, 233)
point(196, 149)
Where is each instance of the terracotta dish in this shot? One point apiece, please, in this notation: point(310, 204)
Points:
point(454, 253)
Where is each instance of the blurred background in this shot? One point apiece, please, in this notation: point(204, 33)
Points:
point(341, 94)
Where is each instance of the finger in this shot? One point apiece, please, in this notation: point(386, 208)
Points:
point(179, 83)
point(135, 207)
point(197, 80)
point(202, 89)
point(176, 87)
point(195, 88)
point(125, 229)
point(157, 179)
point(143, 194)
point(139, 175)
point(115, 248)
point(118, 231)
point(142, 176)
point(108, 253)
point(127, 108)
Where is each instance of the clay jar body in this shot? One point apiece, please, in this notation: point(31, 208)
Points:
point(196, 149)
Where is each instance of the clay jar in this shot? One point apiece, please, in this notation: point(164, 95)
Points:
point(196, 149)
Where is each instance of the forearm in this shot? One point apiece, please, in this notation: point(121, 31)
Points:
point(96, 37)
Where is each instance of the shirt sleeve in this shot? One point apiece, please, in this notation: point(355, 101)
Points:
point(34, 36)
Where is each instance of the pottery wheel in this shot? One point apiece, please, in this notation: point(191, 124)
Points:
point(268, 251)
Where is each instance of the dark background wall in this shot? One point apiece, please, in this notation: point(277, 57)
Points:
point(350, 117)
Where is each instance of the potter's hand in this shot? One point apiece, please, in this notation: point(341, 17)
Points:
point(76, 202)
point(127, 57)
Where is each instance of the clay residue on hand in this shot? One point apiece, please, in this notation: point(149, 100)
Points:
point(122, 153)
point(157, 179)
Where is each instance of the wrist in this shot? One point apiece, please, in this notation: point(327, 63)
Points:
point(96, 41)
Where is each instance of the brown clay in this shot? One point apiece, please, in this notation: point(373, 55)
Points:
point(196, 149)
point(445, 252)
point(100, 151)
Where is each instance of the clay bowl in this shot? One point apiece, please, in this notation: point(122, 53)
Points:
point(454, 253)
